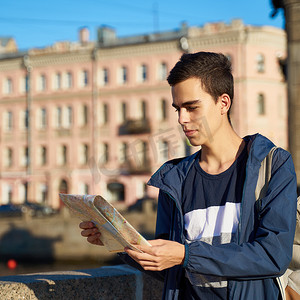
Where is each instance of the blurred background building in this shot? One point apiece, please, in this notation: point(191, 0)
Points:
point(95, 116)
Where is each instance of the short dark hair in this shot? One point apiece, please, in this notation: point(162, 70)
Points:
point(213, 70)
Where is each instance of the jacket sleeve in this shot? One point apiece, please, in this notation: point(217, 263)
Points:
point(270, 251)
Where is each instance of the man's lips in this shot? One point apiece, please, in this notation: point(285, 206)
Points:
point(189, 132)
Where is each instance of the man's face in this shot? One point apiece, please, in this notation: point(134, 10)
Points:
point(198, 113)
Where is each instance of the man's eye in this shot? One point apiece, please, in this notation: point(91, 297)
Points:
point(191, 108)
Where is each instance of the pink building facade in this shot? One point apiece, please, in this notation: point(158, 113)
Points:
point(96, 117)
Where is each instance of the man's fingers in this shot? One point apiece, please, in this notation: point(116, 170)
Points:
point(88, 232)
point(86, 225)
point(144, 248)
point(95, 239)
point(140, 256)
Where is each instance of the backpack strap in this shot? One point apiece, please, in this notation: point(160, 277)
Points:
point(264, 175)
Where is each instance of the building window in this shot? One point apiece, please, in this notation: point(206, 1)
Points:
point(85, 114)
point(142, 73)
point(69, 118)
point(163, 151)
point(42, 193)
point(261, 105)
point(103, 115)
point(84, 78)
point(141, 189)
point(25, 157)
point(41, 83)
point(142, 153)
point(8, 157)
point(142, 110)
point(123, 157)
point(104, 77)
point(25, 119)
point(57, 81)
point(8, 121)
point(24, 84)
point(104, 153)
point(64, 154)
point(58, 117)
point(123, 112)
point(162, 71)
point(69, 80)
point(84, 189)
point(162, 110)
point(8, 86)
point(62, 157)
point(42, 118)
point(122, 75)
point(84, 154)
point(6, 193)
point(23, 192)
point(260, 63)
point(43, 155)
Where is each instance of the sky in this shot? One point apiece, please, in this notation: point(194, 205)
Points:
point(40, 23)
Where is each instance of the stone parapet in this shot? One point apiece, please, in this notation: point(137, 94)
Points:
point(118, 282)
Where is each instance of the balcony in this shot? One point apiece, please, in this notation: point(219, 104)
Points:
point(135, 127)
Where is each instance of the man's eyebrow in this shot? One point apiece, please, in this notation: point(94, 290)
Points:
point(187, 103)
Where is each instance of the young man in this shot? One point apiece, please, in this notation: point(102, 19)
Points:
point(213, 242)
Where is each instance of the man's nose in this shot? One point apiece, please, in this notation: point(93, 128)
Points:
point(183, 116)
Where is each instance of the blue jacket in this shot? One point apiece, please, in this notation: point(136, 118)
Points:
point(262, 246)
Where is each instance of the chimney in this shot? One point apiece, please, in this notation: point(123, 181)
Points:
point(84, 35)
point(106, 35)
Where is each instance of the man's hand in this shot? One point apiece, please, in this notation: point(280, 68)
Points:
point(91, 232)
point(162, 255)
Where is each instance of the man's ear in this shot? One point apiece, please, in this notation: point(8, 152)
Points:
point(225, 103)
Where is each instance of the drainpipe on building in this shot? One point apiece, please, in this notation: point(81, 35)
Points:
point(94, 156)
point(28, 67)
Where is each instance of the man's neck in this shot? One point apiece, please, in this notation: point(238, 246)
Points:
point(221, 152)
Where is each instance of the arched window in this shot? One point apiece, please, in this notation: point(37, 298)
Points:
point(116, 191)
point(63, 187)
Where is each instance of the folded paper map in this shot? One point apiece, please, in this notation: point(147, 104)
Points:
point(116, 232)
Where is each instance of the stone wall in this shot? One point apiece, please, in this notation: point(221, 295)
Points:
point(118, 282)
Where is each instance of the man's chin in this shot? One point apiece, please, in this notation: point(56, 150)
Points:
point(193, 142)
